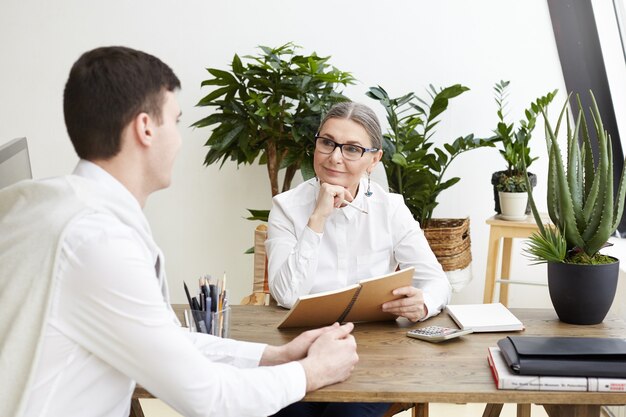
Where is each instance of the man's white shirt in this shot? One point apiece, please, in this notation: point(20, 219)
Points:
point(110, 325)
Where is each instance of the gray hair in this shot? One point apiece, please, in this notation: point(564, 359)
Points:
point(358, 113)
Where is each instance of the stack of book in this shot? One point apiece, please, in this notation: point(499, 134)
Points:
point(508, 377)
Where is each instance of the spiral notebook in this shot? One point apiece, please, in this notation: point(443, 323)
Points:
point(356, 303)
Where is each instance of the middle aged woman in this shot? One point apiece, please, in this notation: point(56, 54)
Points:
point(318, 243)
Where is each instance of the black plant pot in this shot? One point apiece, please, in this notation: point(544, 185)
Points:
point(495, 178)
point(582, 294)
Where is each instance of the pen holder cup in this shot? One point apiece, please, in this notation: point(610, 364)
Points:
point(216, 323)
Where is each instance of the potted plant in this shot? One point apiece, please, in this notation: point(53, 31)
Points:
point(514, 146)
point(415, 167)
point(585, 212)
point(268, 108)
point(512, 196)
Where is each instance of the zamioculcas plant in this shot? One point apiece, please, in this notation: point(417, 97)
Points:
point(514, 143)
point(581, 201)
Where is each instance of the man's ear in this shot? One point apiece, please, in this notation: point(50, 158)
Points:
point(143, 129)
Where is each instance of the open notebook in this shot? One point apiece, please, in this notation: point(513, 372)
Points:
point(355, 303)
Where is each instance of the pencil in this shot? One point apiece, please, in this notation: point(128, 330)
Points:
point(347, 203)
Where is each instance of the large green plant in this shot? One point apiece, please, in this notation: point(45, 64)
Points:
point(581, 201)
point(514, 142)
point(268, 107)
point(415, 167)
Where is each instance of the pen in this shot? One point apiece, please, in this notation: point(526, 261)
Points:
point(204, 292)
point(225, 315)
point(347, 203)
point(213, 295)
point(188, 296)
point(197, 315)
point(208, 314)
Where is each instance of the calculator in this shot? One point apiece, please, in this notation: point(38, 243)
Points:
point(437, 333)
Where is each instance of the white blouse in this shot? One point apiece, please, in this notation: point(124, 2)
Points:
point(353, 246)
point(110, 326)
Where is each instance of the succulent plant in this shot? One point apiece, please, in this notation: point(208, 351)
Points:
point(582, 205)
point(512, 183)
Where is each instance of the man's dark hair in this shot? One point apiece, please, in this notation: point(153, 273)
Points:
point(106, 89)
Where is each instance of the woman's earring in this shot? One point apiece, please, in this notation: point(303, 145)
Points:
point(369, 192)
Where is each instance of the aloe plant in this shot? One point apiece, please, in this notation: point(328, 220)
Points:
point(581, 201)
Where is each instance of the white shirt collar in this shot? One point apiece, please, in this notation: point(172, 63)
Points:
point(89, 170)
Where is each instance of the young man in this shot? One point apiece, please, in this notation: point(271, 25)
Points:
point(84, 311)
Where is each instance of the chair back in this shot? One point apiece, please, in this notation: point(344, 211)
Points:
point(260, 287)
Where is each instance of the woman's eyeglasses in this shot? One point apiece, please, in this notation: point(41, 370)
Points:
point(349, 151)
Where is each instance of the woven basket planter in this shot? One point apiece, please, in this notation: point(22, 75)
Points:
point(450, 241)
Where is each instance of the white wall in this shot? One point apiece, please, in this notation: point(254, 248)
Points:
point(402, 45)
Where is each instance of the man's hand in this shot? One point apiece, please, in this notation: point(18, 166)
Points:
point(294, 350)
point(331, 357)
point(412, 306)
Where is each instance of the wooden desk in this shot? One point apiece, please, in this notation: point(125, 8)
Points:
point(395, 368)
point(507, 231)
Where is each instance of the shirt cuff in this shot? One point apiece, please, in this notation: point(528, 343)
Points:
point(296, 377)
point(233, 352)
point(433, 309)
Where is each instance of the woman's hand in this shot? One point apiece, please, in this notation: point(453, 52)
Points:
point(329, 198)
point(411, 306)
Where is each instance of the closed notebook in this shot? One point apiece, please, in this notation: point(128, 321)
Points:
point(356, 303)
point(566, 356)
point(493, 317)
point(506, 379)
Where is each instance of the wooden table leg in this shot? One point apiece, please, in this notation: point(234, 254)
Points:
point(569, 410)
point(492, 260)
point(420, 410)
point(492, 410)
point(135, 408)
point(507, 248)
point(523, 410)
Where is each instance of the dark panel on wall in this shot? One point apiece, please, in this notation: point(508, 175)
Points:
point(581, 59)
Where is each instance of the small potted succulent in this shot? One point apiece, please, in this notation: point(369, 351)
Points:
point(512, 195)
point(514, 145)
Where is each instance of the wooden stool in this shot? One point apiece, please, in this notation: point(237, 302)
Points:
point(506, 230)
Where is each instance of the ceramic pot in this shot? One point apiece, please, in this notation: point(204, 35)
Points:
point(495, 179)
point(513, 205)
point(582, 294)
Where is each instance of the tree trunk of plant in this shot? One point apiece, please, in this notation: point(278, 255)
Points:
point(272, 165)
point(290, 172)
